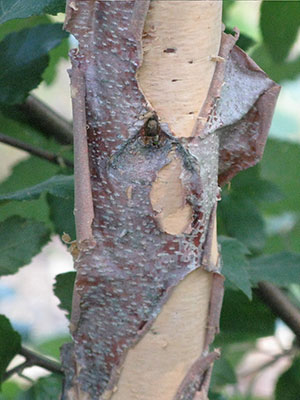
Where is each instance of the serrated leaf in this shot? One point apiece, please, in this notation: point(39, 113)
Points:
point(243, 320)
point(10, 344)
point(48, 388)
point(61, 186)
point(282, 269)
point(11, 9)
point(23, 59)
point(62, 214)
point(235, 263)
point(20, 240)
point(288, 384)
point(279, 23)
point(63, 289)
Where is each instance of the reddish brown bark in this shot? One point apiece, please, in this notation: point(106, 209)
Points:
point(129, 265)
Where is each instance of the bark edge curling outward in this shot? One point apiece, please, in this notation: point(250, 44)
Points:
point(129, 266)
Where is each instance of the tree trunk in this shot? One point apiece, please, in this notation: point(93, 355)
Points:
point(166, 109)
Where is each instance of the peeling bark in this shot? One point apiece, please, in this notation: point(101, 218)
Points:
point(148, 291)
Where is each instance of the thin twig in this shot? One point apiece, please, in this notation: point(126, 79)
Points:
point(280, 305)
point(46, 120)
point(46, 155)
point(16, 370)
point(32, 358)
point(41, 361)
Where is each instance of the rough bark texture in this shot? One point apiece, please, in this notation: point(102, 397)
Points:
point(150, 254)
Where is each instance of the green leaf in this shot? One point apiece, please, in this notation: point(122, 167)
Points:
point(249, 184)
point(20, 240)
point(23, 59)
point(244, 41)
point(289, 70)
point(48, 388)
point(16, 123)
point(243, 320)
point(10, 344)
point(16, 25)
point(56, 55)
point(51, 346)
point(284, 170)
point(242, 219)
point(283, 217)
point(63, 289)
point(9, 391)
point(279, 23)
point(21, 177)
point(62, 214)
point(235, 264)
point(282, 269)
point(216, 396)
point(223, 374)
point(11, 9)
point(61, 186)
point(288, 384)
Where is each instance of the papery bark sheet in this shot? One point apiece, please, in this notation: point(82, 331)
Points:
point(128, 266)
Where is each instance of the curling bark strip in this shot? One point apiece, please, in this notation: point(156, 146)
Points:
point(130, 261)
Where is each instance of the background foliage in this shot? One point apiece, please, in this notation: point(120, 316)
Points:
point(259, 216)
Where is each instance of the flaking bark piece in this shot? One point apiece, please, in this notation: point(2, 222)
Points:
point(191, 387)
point(239, 108)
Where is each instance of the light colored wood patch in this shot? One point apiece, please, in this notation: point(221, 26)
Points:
point(168, 198)
point(155, 367)
point(177, 68)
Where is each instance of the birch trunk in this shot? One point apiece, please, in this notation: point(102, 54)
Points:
point(166, 109)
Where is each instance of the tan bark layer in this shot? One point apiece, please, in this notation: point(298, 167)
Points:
point(179, 39)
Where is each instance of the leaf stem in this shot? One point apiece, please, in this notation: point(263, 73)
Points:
point(47, 120)
point(47, 155)
point(280, 305)
point(32, 358)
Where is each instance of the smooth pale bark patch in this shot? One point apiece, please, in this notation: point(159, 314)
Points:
point(168, 198)
point(180, 37)
point(159, 362)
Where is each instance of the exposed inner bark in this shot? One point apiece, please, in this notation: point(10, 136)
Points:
point(179, 39)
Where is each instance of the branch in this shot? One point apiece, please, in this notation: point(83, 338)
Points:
point(47, 155)
point(41, 361)
point(280, 305)
point(33, 358)
point(46, 120)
